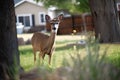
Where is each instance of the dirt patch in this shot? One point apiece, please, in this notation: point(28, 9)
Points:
point(58, 37)
point(25, 36)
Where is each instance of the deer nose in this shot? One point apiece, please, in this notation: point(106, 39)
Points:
point(54, 28)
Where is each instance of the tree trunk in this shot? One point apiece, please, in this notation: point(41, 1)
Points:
point(9, 56)
point(105, 20)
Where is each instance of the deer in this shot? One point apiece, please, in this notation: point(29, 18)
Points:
point(44, 43)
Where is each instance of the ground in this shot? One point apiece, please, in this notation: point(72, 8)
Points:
point(58, 37)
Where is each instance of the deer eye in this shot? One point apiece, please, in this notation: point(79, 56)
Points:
point(56, 23)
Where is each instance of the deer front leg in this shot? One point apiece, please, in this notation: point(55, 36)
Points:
point(41, 56)
point(50, 55)
point(50, 58)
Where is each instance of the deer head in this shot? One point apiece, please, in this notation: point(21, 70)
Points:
point(54, 23)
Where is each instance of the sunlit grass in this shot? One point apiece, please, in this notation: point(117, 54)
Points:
point(63, 49)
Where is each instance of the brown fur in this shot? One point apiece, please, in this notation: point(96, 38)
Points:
point(44, 44)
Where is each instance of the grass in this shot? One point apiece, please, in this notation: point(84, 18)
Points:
point(26, 57)
point(63, 50)
point(114, 58)
point(75, 62)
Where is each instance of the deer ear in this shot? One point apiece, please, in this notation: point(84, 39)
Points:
point(60, 16)
point(47, 18)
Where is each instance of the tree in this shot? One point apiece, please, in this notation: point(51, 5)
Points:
point(9, 56)
point(105, 19)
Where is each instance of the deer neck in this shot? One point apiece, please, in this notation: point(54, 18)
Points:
point(53, 34)
point(50, 42)
point(52, 38)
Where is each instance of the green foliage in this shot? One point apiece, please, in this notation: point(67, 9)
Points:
point(82, 6)
point(72, 5)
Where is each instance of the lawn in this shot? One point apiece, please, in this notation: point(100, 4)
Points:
point(64, 48)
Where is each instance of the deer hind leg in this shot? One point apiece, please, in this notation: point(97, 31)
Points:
point(34, 51)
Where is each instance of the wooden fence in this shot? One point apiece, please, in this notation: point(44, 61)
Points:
point(75, 23)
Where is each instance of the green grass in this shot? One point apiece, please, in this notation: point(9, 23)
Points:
point(26, 57)
point(64, 51)
point(113, 53)
point(93, 61)
point(114, 58)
